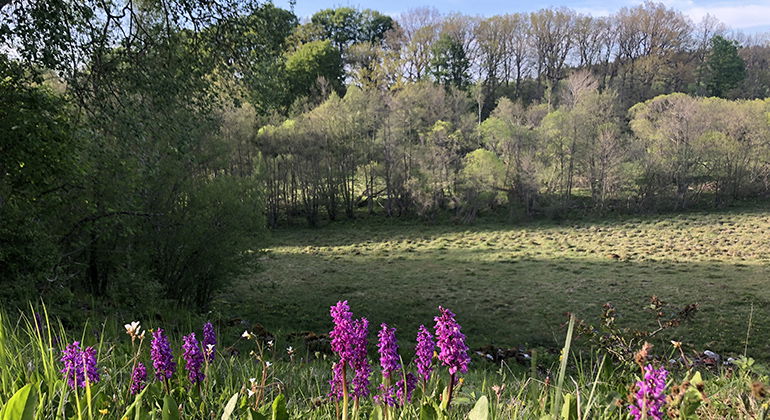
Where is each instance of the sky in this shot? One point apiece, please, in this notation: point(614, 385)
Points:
point(750, 16)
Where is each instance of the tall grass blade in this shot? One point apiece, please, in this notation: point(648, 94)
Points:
point(556, 406)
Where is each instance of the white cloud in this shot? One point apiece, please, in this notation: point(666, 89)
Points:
point(737, 17)
point(735, 14)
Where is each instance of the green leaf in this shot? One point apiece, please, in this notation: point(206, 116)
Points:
point(256, 415)
point(427, 412)
point(480, 409)
point(22, 404)
point(692, 398)
point(377, 413)
point(696, 379)
point(444, 398)
point(569, 408)
point(135, 409)
point(170, 409)
point(230, 407)
point(279, 408)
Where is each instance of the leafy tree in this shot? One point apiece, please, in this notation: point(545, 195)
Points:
point(480, 182)
point(374, 26)
point(39, 170)
point(345, 26)
point(341, 26)
point(254, 48)
point(449, 64)
point(506, 134)
point(726, 68)
point(120, 185)
point(310, 62)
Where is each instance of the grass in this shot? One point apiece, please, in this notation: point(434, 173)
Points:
point(586, 383)
point(512, 284)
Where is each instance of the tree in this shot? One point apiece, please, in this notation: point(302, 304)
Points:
point(479, 183)
point(449, 65)
point(310, 62)
point(726, 68)
point(668, 129)
point(345, 26)
point(505, 134)
point(154, 202)
point(552, 36)
point(39, 170)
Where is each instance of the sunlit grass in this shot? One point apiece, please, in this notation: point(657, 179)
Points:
point(513, 283)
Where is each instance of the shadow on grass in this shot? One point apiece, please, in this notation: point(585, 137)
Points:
point(507, 300)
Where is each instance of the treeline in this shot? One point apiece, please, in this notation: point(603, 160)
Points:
point(419, 151)
point(639, 52)
point(534, 113)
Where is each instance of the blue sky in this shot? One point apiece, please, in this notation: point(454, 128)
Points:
point(749, 15)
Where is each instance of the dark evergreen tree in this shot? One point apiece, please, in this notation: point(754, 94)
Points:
point(449, 64)
point(725, 67)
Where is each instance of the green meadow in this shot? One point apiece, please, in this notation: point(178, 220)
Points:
point(513, 283)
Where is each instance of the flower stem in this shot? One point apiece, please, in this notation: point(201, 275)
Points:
point(451, 388)
point(344, 394)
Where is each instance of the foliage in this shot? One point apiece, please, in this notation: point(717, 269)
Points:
point(624, 343)
point(310, 62)
point(449, 65)
point(130, 190)
point(345, 26)
point(725, 67)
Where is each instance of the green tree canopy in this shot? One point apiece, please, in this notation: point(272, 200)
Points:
point(449, 64)
point(725, 67)
point(311, 61)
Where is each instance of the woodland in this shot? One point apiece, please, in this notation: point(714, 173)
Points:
point(147, 147)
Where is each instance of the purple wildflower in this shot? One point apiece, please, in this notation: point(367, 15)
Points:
point(79, 365)
point(193, 358)
point(398, 394)
point(138, 378)
point(453, 351)
point(388, 347)
point(162, 358)
point(336, 381)
point(424, 353)
point(341, 334)
point(650, 397)
point(360, 362)
point(349, 341)
point(209, 342)
point(411, 384)
point(387, 396)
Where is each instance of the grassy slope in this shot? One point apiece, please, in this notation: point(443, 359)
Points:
point(511, 284)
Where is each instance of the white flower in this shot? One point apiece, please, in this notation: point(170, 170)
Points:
point(209, 348)
point(251, 393)
point(252, 380)
point(270, 343)
point(268, 364)
point(246, 334)
point(133, 328)
point(290, 350)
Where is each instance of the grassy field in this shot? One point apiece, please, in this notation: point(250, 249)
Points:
point(511, 284)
